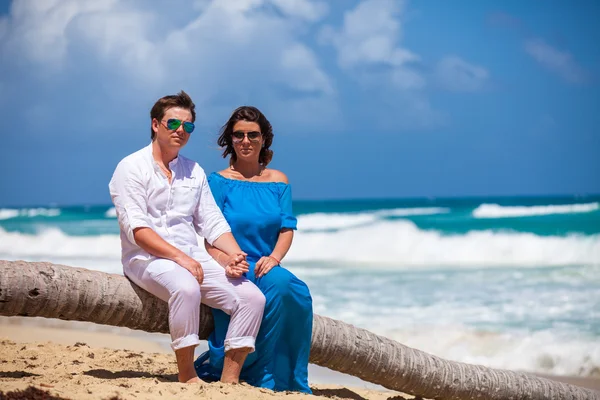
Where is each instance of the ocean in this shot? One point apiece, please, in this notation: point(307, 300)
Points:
point(503, 282)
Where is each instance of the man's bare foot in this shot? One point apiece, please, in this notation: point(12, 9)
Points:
point(185, 365)
point(230, 381)
point(194, 379)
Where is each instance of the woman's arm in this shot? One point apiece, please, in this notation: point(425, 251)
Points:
point(218, 255)
point(286, 233)
point(235, 264)
point(284, 242)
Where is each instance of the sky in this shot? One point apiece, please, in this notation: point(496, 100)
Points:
point(368, 99)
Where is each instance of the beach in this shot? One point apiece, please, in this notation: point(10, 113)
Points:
point(508, 283)
point(78, 360)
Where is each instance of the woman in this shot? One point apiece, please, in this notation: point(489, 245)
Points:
point(256, 202)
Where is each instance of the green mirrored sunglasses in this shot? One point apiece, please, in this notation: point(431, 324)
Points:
point(173, 124)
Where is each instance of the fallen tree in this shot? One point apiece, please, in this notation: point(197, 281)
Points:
point(38, 289)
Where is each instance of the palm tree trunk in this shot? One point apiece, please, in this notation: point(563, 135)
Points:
point(56, 291)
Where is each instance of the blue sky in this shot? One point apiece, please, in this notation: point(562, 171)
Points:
point(372, 98)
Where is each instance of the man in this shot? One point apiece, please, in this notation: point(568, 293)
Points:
point(162, 200)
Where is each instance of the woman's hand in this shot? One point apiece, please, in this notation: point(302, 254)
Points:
point(264, 265)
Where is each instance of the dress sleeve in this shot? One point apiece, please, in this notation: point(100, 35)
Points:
point(288, 220)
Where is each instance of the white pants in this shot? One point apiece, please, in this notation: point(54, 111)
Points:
point(172, 283)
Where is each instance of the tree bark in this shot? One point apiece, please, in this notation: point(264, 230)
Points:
point(56, 291)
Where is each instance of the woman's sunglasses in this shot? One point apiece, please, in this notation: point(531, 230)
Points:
point(174, 124)
point(238, 136)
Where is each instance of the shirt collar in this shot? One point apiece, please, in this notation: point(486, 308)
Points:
point(173, 162)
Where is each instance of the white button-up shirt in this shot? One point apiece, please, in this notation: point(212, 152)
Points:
point(177, 211)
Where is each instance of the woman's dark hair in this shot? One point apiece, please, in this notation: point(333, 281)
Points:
point(249, 114)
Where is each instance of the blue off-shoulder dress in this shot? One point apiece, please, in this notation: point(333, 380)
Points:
point(256, 212)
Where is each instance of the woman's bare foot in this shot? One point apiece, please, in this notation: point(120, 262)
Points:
point(232, 366)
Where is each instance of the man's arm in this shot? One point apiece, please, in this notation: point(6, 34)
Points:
point(209, 221)
point(211, 224)
point(129, 197)
point(128, 193)
point(226, 243)
point(151, 241)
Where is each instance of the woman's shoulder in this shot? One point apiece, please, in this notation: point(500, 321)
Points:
point(224, 173)
point(268, 175)
point(273, 175)
point(217, 179)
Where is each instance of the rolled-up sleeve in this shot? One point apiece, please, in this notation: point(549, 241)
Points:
point(209, 221)
point(129, 197)
point(288, 220)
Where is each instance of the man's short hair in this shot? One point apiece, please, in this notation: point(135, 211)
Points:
point(181, 100)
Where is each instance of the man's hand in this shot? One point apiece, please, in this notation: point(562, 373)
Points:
point(191, 265)
point(264, 265)
point(236, 265)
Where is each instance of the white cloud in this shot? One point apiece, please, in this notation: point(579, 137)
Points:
point(559, 62)
point(38, 28)
point(120, 38)
point(369, 38)
point(296, 61)
point(224, 48)
point(369, 49)
point(224, 36)
point(222, 52)
point(307, 10)
point(455, 74)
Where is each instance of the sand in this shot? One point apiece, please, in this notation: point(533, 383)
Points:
point(69, 361)
point(80, 360)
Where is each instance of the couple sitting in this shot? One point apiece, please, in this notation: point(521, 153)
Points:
point(245, 214)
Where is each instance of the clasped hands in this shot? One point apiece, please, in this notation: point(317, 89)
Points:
point(236, 265)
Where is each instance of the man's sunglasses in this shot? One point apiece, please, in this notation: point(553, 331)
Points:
point(174, 124)
point(238, 136)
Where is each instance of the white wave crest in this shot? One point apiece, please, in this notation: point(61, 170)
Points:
point(498, 211)
point(400, 212)
point(7, 213)
point(333, 221)
point(111, 213)
point(545, 352)
point(324, 221)
point(401, 244)
point(102, 252)
point(383, 244)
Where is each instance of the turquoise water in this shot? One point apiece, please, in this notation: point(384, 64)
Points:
point(458, 218)
point(504, 282)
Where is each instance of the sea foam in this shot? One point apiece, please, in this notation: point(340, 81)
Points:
point(498, 211)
